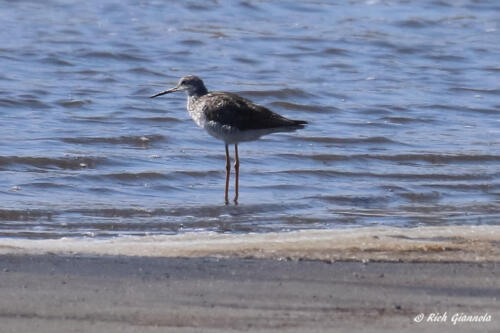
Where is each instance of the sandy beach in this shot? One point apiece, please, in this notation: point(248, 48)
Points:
point(367, 279)
point(51, 293)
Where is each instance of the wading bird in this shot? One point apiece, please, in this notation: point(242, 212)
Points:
point(230, 118)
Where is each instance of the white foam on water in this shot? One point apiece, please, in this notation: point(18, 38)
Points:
point(451, 243)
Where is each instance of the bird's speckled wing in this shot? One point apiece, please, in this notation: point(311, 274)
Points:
point(233, 110)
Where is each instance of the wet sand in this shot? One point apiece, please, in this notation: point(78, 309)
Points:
point(451, 243)
point(51, 293)
point(367, 279)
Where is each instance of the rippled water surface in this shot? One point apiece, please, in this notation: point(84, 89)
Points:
point(403, 100)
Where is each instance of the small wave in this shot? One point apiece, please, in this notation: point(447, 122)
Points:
point(198, 7)
point(298, 38)
point(331, 140)
point(393, 107)
point(125, 176)
point(29, 102)
point(430, 158)
point(73, 103)
point(421, 196)
point(476, 90)
point(248, 5)
point(113, 56)
point(191, 42)
point(334, 50)
point(476, 207)
point(339, 65)
point(302, 7)
point(24, 215)
point(407, 176)
point(416, 23)
point(46, 185)
point(151, 175)
point(302, 107)
point(195, 174)
point(212, 31)
point(484, 187)
point(442, 107)
point(384, 44)
point(202, 211)
point(435, 158)
point(279, 93)
point(91, 72)
point(72, 163)
point(146, 71)
point(85, 92)
point(72, 32)
point(104, 119)
point(326, 52)
point(447, 57)
point(10, 102)
point(130, 140)
point(245, 60)
point(318, 157)
point(107, 80)
point(285, 187)
point(154, 119)
point(405, 120)
point(460, 108)
point(352, 199)
point(492, 69)
point(52, 60)
point(409, 50)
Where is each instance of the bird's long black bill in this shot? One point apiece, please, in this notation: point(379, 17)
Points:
point(165, 92)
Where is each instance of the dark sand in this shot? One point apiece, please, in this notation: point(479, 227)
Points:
point(50, 293)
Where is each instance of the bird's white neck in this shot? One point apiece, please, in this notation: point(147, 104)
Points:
point(195, 111)
point(191, 101)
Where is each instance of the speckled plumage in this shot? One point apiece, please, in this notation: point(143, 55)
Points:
point(226, 115)
point(230, 118)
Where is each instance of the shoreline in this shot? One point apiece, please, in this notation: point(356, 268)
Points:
point(420, 244)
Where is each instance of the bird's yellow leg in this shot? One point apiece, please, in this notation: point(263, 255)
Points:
point(228, 172)
point(236, 173)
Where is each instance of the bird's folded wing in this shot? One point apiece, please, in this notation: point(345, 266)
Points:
point(232, 110)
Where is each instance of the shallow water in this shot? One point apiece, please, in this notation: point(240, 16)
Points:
point(402, 97)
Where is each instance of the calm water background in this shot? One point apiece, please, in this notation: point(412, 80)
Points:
point(403, 99)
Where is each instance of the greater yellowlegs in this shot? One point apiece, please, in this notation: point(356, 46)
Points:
point(230, 118)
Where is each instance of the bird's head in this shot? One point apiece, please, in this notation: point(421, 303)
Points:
point(191, 84)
